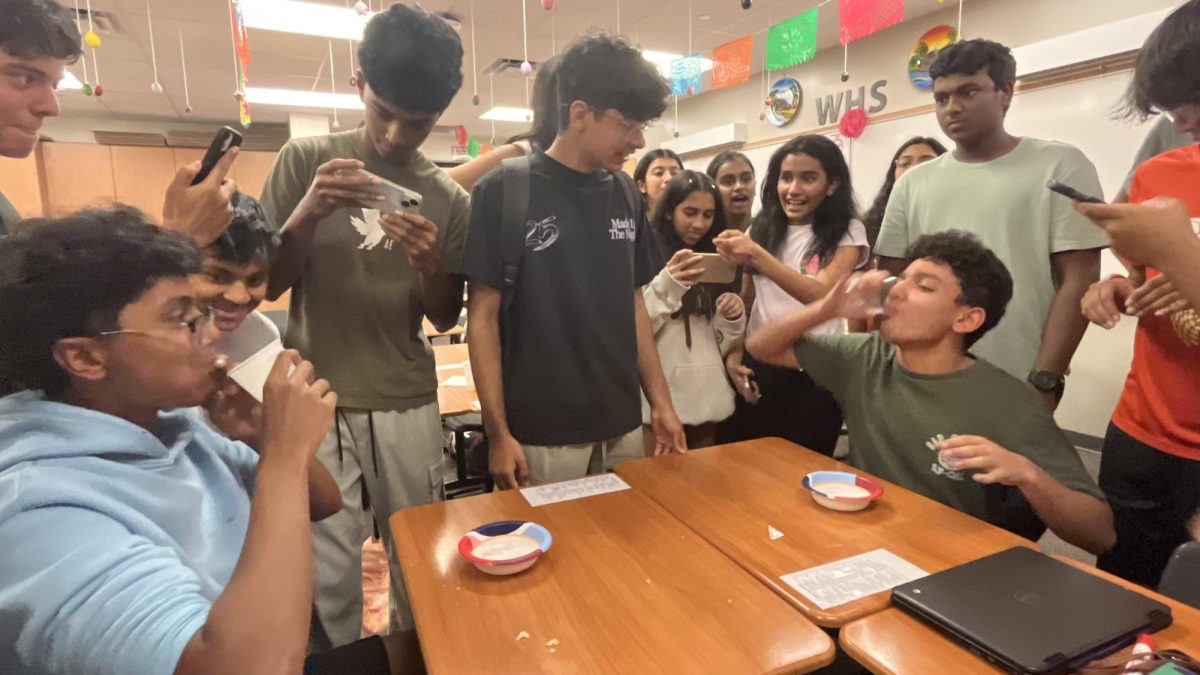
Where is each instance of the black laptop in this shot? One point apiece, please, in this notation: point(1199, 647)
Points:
point(1029, 613)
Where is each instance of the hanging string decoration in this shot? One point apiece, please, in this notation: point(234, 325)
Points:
point(87, 84)
point(97, 89)
point(156, 87)
point(792, 41)
point(860, 18)
point(90, 38)
point(333, 89)
point(241, 49)
point(731, 62)
point(474, 64)
point(187, 99)
point(526, 66)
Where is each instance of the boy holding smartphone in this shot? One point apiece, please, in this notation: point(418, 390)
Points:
point(362, 279)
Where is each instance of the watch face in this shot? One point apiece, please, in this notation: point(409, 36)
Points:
point(1044, 381)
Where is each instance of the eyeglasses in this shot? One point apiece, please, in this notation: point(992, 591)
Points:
point(910, 162)
point(196, 328)
point(628, 127)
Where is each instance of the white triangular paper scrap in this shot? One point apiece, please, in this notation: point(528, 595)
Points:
point(773, 533)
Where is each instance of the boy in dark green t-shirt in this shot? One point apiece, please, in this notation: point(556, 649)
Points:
point(925, 414)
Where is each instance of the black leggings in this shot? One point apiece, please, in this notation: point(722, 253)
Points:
point(792, 407)
point(1153, 495)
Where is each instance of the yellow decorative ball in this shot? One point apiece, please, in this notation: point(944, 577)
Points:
point(1187, 325)
point(91, 39)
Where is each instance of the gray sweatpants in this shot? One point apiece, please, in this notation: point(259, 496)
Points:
point(554, 463)
point(397, 456)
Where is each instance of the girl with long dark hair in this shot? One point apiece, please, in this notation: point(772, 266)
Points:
point(695, 324)
point(806, 237)
point(913, 152)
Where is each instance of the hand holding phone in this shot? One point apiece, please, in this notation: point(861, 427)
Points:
point(223, 142)
point(1073, 194)
point(395, 197)
point(717, 270)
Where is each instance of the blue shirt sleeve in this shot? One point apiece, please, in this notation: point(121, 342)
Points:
point(80, 594)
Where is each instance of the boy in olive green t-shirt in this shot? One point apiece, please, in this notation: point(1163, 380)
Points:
point(925, 414)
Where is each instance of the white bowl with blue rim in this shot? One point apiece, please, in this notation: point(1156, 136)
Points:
point(505, 547)
point(842, 490)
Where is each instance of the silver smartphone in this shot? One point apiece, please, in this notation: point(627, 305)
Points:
point(395, 197)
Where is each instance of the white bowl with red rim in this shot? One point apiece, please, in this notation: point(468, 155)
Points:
point(842, 490)
point(505, 547)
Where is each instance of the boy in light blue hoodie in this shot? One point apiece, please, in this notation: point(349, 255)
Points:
point(136, 539)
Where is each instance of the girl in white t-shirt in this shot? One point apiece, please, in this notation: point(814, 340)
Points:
point(807, 236)
point(695, 324)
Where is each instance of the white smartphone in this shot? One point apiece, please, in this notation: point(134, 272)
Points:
point(395, 197)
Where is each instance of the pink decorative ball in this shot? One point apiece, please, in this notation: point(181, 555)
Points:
point(360, 8)
point(676, 134)
point(98, 90)
point(690, 91)
point(336, 125)
point(526, 68)
point(547, 5)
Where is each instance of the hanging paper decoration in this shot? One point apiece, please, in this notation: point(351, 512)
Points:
point(793, 41)
point(933, 41)
point(473, 148)
point(853, 123)
point(860, 18)
point(685, 75)
point(460, 136)
point(241, 49)
point(731, 62)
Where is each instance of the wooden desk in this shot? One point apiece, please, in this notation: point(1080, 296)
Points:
point(450, 361)
point(625, 588)
point(729, 495)
point(893, 641)
point(455, 334)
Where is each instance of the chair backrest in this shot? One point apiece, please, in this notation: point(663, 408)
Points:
point(1181, 580)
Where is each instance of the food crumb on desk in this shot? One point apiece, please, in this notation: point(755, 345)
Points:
point(552, 643)
point(647, 580)
point(523, 635)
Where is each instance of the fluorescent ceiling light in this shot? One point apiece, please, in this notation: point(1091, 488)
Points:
point(305, 18)
point(69, 82)
point(505, 114)
point(299, 98)
point(663, 61)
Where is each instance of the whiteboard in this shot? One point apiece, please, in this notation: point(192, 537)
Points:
point(1079, 113)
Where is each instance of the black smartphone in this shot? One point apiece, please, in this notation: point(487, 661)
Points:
point(1071, 193)
point(225, 139)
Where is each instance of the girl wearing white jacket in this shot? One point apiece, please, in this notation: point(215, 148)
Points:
point(695, 325)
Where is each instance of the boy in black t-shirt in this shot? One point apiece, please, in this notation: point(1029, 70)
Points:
point(559, 390)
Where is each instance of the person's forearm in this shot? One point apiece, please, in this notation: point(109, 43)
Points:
point(469, 173)
point(324, 496)
point(775, 342)
point(1078, 518)
point(487, 367)
point(261, 620)
point(295, 245)
point(805, 288)
point(654, 383)
point(442, 298)
point(1065, 324)
point(1182, 267)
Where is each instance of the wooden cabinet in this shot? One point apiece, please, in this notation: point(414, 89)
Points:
point(76, 176)
point(20, 183)
point(141, 177)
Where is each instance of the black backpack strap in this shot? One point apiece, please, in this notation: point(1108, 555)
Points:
point(633, 197)
point(514, 212)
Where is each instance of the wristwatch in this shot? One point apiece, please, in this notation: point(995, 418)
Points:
point(1047, 381)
